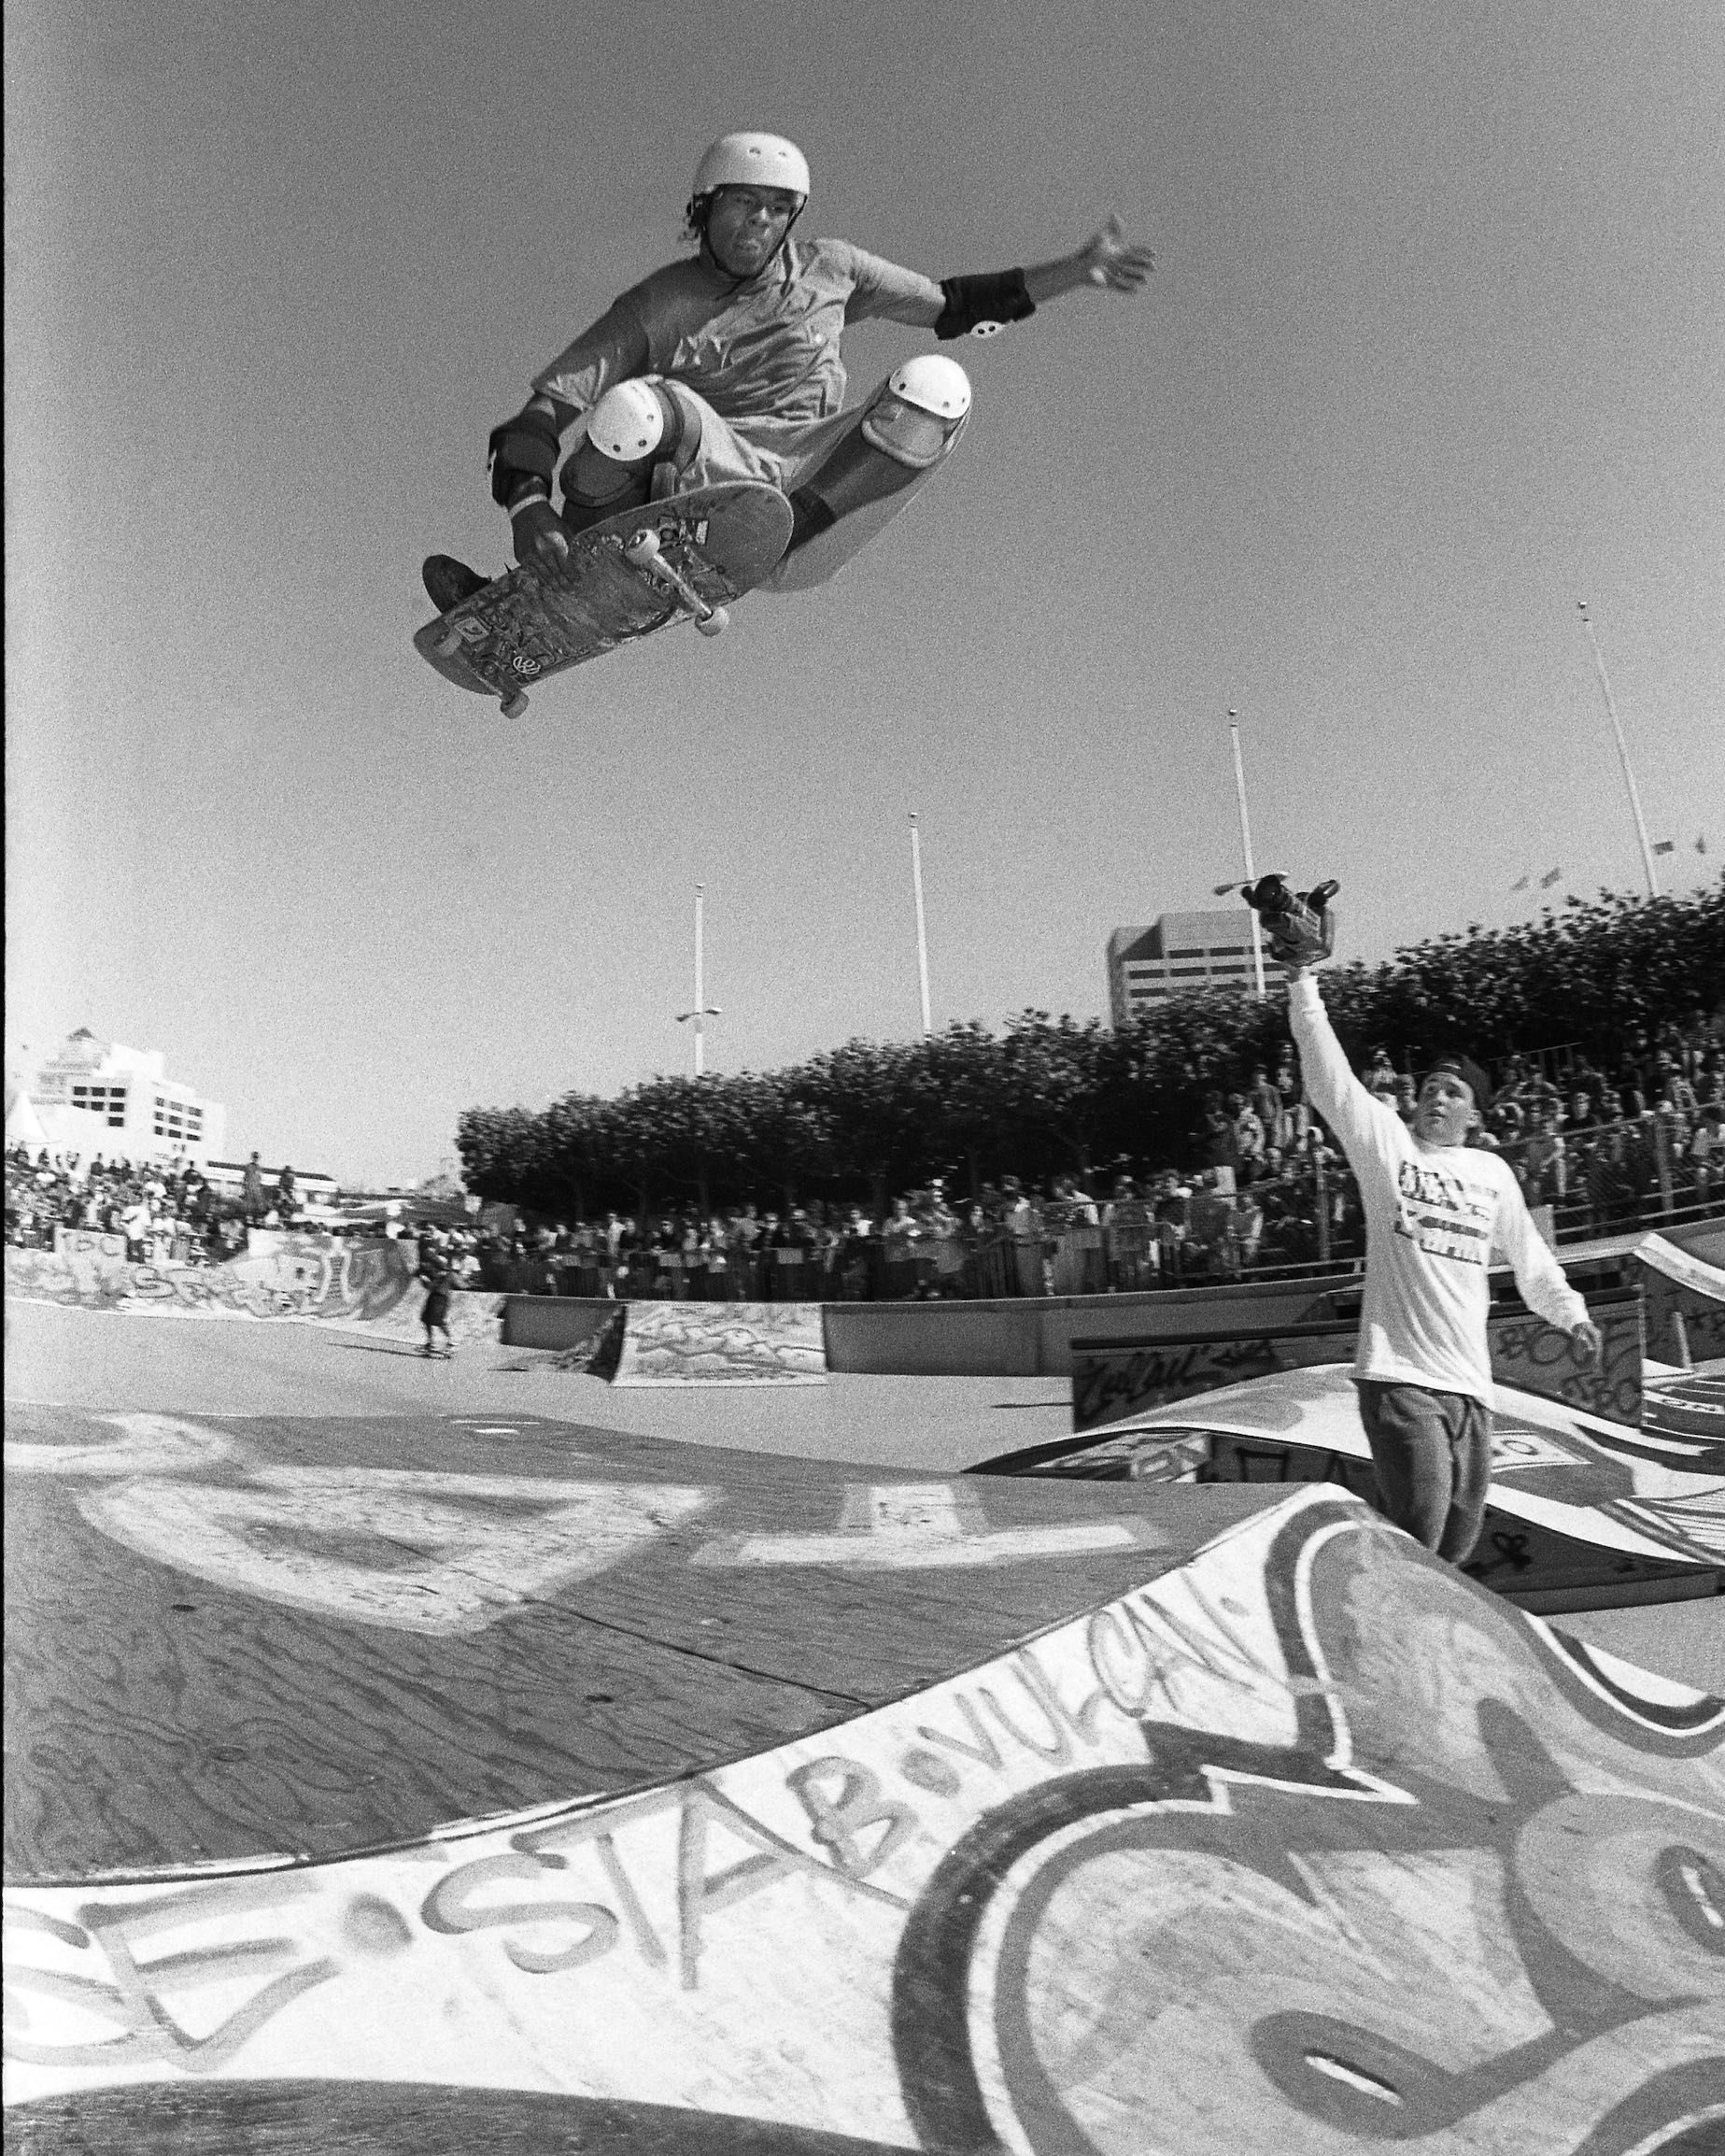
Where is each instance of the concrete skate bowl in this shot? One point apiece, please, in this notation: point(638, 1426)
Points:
point(292, 1279)
point(536, 1788)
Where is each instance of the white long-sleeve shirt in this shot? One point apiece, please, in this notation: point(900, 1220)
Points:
point(1434, 1214)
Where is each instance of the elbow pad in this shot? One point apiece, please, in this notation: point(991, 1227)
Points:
point(982, 305)
point(524, 447)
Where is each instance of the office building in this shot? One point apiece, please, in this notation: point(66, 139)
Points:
point(1181, 952)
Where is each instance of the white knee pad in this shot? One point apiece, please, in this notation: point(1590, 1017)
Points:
point(916, 418)
point(629, 421)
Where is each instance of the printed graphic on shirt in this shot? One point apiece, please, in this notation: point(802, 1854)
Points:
point(1441, 1213)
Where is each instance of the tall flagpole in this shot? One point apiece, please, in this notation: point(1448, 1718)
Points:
point(1251, 874)
point(922, 926)
point(703, 1010)
point(1629, 776)
point(700, 993)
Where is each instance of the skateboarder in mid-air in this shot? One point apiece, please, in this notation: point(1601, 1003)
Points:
point(728, 367)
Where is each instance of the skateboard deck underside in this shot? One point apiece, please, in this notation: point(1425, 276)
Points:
point(531, 622)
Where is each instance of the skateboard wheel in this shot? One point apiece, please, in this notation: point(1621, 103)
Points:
point(715, 623)
point(642, 546)
point(515, 705)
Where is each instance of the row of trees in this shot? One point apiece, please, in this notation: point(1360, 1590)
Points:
point(1050, 1095)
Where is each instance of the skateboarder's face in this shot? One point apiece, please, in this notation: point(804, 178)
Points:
point(746, 224)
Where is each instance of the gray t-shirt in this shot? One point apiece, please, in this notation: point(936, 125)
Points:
point(764, 354)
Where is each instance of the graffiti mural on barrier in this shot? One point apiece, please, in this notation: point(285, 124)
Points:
point(759, 1343)
point(1304, 1845)
point(86, 1243)
point(1112, 1383)
point(1685, 1302)
point(1537, 1359)
point(304, 1279)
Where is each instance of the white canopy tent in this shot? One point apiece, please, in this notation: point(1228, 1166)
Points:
point(23, 1126)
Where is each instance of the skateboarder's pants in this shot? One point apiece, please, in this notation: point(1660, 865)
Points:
point(1433, 1454)
point(788, 456)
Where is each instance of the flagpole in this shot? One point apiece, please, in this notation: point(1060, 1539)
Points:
point(1629, 776)
point(1252, 877)
point(701, 997)
point(922, 926)
point(703, 1010)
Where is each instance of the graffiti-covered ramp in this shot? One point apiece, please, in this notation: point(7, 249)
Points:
point(1293, 1842)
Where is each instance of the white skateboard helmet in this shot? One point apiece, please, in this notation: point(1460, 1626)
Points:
point(751, 158)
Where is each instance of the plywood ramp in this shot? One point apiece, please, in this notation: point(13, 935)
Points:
point(983, 1818)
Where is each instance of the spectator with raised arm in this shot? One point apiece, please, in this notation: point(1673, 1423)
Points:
point(1434, 1210)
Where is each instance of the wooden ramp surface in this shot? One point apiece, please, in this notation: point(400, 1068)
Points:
point(230, 1636)
point(1301, 1843)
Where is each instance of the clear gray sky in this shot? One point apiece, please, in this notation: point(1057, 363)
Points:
point(1433, 349)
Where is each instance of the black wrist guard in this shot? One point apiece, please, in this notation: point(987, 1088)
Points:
point(524, 447)
point(981, 305)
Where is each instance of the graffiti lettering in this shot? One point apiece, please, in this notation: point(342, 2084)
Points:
point(133, 2000)
point(449, 1908)
point(914, 1526)
point(840, 1819)
point(144, 1445)
point(1111, 1387)
point(417, 1553)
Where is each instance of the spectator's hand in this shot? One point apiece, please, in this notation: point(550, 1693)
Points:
point(1588, 1343)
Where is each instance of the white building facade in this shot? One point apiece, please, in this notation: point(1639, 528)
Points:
point(97, 1097)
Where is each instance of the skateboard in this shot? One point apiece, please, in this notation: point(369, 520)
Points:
point(683, 558)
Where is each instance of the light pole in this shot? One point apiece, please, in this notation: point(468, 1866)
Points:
point(703, 1010)
point(922, 926)
point(1629, 776)
point(1239, 788)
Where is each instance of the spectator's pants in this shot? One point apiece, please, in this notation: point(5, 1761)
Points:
point(1433, 1454)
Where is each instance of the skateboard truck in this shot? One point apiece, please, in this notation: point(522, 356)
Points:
point(641, 551)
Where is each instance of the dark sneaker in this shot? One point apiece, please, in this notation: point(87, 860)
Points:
point(448, 581)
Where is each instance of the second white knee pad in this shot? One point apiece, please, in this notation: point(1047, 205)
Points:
point(916, 418)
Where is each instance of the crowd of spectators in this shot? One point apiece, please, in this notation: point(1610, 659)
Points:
point(164, 1212)
point(1601, 1147)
